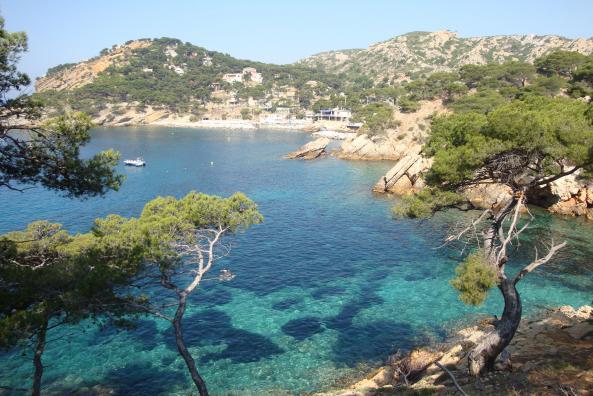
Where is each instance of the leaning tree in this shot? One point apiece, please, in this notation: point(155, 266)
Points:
point(48, 277)
point(181, 239)
point(524, 145)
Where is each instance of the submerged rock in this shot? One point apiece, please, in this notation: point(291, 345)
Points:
point(310, 150)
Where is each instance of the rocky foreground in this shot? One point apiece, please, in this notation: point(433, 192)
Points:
point(551, 354)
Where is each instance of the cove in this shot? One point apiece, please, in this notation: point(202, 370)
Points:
point(326, 287)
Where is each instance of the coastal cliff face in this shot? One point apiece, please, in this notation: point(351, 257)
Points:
point(80, 74)
point(425, 52)
point(408, 137)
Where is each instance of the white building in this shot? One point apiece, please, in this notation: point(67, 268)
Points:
point(176, 69)
point(254, 76)
point(335, 114)
point(233, 77)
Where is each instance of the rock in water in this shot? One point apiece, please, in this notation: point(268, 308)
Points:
point(310, 150)
point(406, 176)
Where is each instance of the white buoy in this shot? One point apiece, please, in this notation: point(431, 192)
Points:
point(211, 163)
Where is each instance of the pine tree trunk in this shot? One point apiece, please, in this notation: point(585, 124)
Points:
point(36, 391)
point(189, 361)
point(483, 356)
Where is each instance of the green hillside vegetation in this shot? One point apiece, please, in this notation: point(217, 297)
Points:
point(482, 88)
point(128, 82)
point(475, 88)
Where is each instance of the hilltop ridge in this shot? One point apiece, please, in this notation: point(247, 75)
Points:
point(420, 53)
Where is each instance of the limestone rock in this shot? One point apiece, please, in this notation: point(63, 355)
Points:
point(310, 150)
point(488, 196)
point(406, 176)
point(366, 147)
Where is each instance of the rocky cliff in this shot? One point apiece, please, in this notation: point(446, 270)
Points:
point(425, 52)
point(407, 137)
point(80, 74)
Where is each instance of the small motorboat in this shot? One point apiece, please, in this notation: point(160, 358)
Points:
point(135, 162)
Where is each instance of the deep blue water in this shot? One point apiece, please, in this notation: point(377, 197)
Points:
point(326, 287)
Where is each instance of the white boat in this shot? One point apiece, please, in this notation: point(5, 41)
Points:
point(135, 162)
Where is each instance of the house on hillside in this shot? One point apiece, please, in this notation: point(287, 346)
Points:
point(335, 114)
point(248, 73)
point(254, 76)
point(232, 77)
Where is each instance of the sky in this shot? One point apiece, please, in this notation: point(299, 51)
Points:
point(63, 31)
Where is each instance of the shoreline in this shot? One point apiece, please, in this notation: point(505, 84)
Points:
point(527, 354)
point(239, 125)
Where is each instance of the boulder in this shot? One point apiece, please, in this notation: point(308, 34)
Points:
point(310, 150)
point(488, 196)
point(365, 147)
point(406, 176)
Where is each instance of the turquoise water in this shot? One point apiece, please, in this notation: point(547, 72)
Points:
point(326, 287)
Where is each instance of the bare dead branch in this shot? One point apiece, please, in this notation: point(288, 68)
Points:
point(450, 374)
point(537, 262)
point(472, 225)
point(502, 250)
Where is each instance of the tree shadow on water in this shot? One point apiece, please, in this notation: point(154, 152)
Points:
point(213, 327)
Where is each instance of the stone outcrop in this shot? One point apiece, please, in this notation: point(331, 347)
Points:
point(83, 73)
point(549, 353)
point(488, 196)
point(569, 196)
point(365, 147)
point(406, 137)
point(406, 176)
point(310, 150)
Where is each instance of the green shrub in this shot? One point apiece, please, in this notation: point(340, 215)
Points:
point(474, 277)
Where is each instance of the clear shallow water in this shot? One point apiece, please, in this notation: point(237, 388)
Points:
point(327, 286)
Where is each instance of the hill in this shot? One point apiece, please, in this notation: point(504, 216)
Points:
point(420, 53)
point(168, 72)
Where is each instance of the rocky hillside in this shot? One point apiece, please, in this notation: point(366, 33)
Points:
point(70, 76)
point(417, 53)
